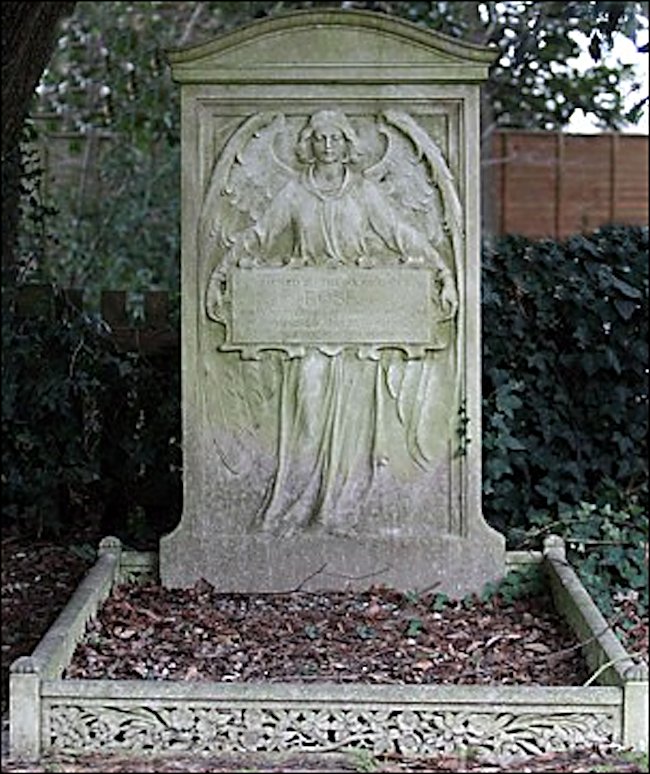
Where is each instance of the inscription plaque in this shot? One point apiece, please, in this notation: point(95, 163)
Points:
point(346, 305)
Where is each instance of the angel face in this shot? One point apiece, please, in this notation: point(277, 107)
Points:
point(328, 145)
point(328, 138)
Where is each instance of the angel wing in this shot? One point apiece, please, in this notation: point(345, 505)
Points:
point(417, 178)
point(244, 181)
point(245, 178)
point(414, 172)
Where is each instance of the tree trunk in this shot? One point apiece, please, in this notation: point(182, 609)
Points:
point(29, 34)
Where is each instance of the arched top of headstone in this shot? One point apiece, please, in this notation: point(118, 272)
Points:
point(332, 45)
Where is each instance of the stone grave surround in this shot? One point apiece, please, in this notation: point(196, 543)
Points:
point(330, 326)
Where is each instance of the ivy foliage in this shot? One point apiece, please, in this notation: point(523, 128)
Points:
point(91, 435)
point(609, 547)
point(47, 451)
point(565, 380)
point(519, 583)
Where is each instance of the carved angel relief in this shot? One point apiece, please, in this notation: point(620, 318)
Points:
point(330, 205)
point(340, 252)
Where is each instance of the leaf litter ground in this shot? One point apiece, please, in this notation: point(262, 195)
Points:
point(376, 636)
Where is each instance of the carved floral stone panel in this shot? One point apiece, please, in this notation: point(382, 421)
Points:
point(405, 731)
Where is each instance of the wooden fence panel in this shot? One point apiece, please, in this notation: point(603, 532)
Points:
point(631, 180)
point(528, 184)
point(585, 196)
point(552, 185)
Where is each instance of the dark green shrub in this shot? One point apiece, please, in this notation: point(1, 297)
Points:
point(139, 451)
point(519, 583)
point(88, 432)
point(565, 382)
point(49, 374)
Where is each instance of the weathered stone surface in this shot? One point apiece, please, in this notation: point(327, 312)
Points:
point(330, 320)
point(313, 562)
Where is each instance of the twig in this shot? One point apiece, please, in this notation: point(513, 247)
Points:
point(73, 359)
point(595, 636)
point(608, 664)
point(356, 577)
point(295, 589)
point(198, 9)
point(307, 579)
point(497, 637)
point(428, 588)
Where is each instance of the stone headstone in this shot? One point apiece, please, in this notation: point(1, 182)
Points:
point(331, 380)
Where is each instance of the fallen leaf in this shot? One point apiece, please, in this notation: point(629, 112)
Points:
point(537, 647)
point(192, 673)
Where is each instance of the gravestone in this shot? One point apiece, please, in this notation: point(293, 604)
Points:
point(330, 327)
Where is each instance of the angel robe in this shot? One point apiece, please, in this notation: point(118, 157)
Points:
point(358, 440)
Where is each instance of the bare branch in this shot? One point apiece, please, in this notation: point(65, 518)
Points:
point(189, 28)
point(561, 653)
point(309, 577)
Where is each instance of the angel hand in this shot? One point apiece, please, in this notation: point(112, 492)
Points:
point(448, 296)
point(296, 261)
point(215, 297)
point(246, 262)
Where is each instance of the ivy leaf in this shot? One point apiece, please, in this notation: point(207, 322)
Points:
point(365, 632)
point(626, 289)
point(625, 308)
point(414, 627)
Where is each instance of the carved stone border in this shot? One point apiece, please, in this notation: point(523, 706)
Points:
point(97, 716)
point(49, 714)
point(603, 651)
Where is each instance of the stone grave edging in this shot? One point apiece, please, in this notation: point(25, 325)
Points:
point(52, 715)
